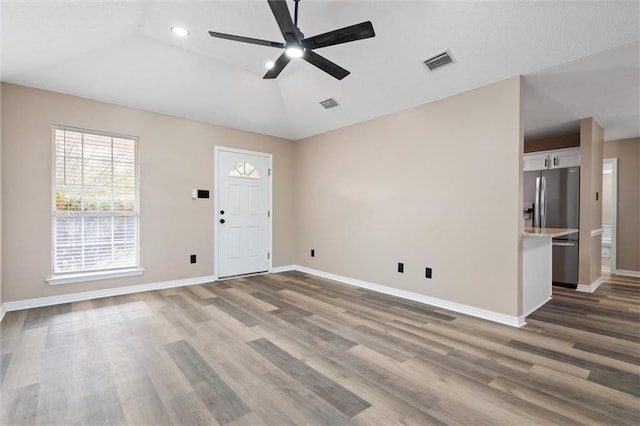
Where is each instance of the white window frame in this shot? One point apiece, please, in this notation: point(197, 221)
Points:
point(99, 274)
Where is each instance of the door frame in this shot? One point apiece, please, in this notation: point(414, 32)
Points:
point(216, 203)
point(614, 212)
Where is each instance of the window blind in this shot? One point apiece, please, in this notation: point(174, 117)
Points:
point(95, 210)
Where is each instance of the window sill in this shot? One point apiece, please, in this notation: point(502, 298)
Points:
point(93, 276)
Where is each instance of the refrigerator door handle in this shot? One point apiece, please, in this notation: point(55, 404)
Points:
point(536, 212)
point(558, 244)
point(543, 203)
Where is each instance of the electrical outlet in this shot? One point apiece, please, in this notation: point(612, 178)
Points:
point(427, 273)
point(401, 267)
point(313, 253)
point(193, 258)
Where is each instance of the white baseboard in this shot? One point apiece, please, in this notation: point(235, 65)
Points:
point(590, 288)
point(285, 268)
point(2, 312)
point(624, 273)
point(97, 294)
point(432, 301)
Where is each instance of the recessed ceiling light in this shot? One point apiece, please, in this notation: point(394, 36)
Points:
point(268, 65)
point(180, 31)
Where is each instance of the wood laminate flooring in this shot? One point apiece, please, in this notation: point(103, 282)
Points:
point(292, 349)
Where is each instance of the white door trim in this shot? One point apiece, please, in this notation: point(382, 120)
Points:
point(216, 203)
point(614, 211)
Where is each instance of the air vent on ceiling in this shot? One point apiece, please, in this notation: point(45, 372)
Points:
point(329, 103)
point(439, 60)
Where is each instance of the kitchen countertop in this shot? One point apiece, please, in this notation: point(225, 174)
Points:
point(549, 232)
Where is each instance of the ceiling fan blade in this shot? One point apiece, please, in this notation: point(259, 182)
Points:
point(278, 66)
point(283, 18)
point(325, 64)
point(247, 39)
point(342, 35)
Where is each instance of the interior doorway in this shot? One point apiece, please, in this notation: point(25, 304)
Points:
point(609, 214)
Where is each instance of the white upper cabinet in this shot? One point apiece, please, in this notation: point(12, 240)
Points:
point(552, 159)
point(536, 161)
point(565, 158)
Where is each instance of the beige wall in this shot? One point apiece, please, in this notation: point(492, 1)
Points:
point(176, 155)
point(591, 149)
point(437, 185)
point(627, 151)
point(571, 140)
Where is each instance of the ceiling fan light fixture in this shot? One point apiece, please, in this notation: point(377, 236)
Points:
point(268, 65)
point(294, 51)
point(179, 31)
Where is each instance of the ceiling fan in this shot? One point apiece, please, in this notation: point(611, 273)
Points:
point(297, 46)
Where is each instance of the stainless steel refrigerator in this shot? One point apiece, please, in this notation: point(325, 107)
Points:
point(552, 200)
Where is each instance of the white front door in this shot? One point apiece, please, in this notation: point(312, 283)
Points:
point(242, 212)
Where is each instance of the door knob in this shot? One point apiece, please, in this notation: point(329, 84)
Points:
point(221, 220)
point(221, 211)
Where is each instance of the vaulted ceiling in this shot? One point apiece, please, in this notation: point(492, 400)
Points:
point(579, 59)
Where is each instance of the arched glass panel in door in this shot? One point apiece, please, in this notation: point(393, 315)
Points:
point(244, 169)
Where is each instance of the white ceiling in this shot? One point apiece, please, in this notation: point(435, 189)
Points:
point(605, 85)
point(579, 59)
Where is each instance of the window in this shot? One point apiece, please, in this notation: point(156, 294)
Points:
point(95, 212)
point(243, 169)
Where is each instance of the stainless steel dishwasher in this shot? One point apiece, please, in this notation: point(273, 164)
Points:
point(565, 262)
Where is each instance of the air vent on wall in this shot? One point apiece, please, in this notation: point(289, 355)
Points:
point(439, 60)
point(329, 103)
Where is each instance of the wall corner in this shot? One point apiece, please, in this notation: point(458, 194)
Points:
point(520, 180)
point(1, 244)
point(591, 154)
